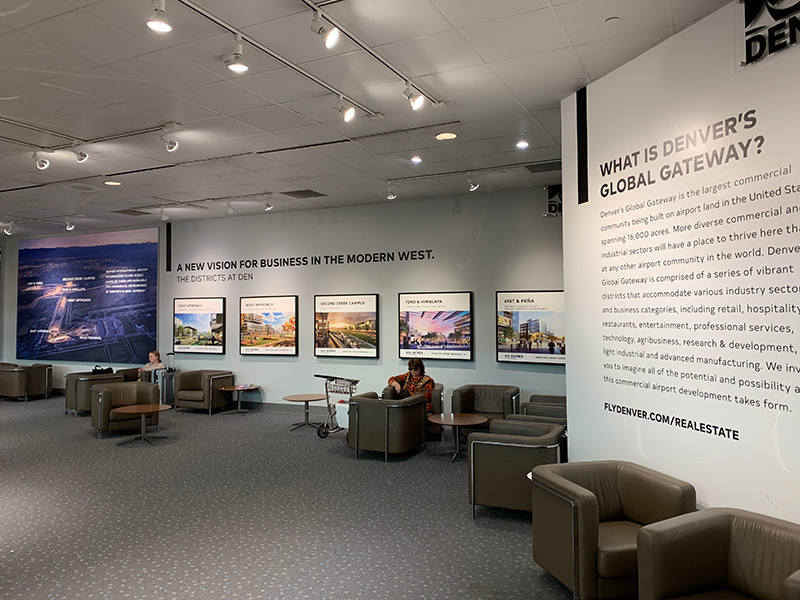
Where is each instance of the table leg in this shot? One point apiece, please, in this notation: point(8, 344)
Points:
point(144, 429)
point(458, 443)
point(306, 422)
point(239, 401)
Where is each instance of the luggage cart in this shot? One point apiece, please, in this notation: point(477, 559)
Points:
point(334, 385)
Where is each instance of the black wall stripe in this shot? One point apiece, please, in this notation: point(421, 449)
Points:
point(168, 244)
point(583, 148)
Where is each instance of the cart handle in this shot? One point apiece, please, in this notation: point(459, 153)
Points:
point(332, 378)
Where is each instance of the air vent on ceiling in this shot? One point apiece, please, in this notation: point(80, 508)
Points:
point(131, 212)
point(301, 194)
point(547, 165)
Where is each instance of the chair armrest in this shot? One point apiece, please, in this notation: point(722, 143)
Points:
point(365, 396)
point(648, 496)
point(511, 400)
point(566, 519)
point(464, 399)
point(538, 419)
point(790, 590)
point(389, 393)
point(552, 433)
point(683, 555)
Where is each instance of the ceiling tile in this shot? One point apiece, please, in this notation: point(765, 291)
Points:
point(166, 70)
point(272, 118)
point(585, 20)
point(547, 95)
point(685, 12)
point(27, 13)
point(520, 35)
point(603, 57)
point(221, 128)
point(224, 97)
point(469, 12)
point(249, 12)
point(282, 85)
point(350, 71)
point(444, 51)
point(312, 134)
point(208, 53)
point(389, 20)
point(38, 57)
point(528, 71)
point(464, 83)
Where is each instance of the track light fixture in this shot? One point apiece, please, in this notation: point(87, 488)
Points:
point(234, 59)
point(158, 22)
point(472, 185)
point(390, 195)
point(41, 162)
point(164, 216)
point(267, 206)
point(79, 154)
point(416, 100)
point(348, 112)
point(171, 145)
point(69, 226)
point(330, 35)
point(231, 210)
point(7, 229)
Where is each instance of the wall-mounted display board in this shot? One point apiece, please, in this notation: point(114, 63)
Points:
point(436, 325)
point(346, 326)
point(88, 298)
point(530, 327)
point(199, 326)
point(268, 325)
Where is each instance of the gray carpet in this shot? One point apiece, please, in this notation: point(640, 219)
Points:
point(233, 506)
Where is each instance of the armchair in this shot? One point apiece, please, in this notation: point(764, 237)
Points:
point(720, 553)
point(26, 381)
point(490, 401)
point(500, 460)
point(78, 389)
point(106, 397)
point(130, 374)
point(200, 389)
point(586, 516)
point(437, 396)
point(388, 426)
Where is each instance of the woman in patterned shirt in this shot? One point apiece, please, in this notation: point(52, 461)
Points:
point(414, 382)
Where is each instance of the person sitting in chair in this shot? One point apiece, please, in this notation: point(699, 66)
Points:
point(154, 363)
point(414, 382)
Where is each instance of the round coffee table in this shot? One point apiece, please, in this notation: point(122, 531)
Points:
point(457, 420)
point(143, 410)
point(306, 398)
point(237, 390)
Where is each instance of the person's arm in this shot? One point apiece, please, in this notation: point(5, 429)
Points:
point(397, 382)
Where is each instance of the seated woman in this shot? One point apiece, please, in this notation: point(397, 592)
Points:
point(414, 382)
point(154, 363)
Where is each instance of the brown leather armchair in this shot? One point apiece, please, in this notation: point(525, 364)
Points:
point(26, 381)
point(500, 460)
point(720, 553)
point(388, 426)
point(106, 397)
point(490, 401)
point(200, 389)
point(78, 389)
point(586, 516)
point(550, 409)
point(437, 396)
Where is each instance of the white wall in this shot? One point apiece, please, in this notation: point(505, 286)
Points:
point(481, 243)
point(689, 402)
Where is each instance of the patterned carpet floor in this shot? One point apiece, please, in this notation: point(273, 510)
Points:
point(237, 506)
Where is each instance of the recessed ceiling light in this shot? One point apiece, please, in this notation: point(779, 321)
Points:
point(416, 160)
point(112, 183)
point(613, 20)
point(446, 135)
point(522, 144)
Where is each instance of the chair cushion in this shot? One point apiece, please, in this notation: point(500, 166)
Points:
point(489, 399)
point(616, 548)
point(191, 395)
point(718, 594)
point(123, 395)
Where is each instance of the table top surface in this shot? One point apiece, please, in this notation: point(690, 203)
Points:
point(305, 397)
point(239, 388)
point(142, 409)
point(457, 419)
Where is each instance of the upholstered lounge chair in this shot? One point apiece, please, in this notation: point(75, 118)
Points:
point(78, 389)
point(490, 401)
point(388, 426)
point(437, 405)
point(720, 554)
point(200, 389)
point(107, 397)
point(586, 516)
point(500, 460)
point(26, 381)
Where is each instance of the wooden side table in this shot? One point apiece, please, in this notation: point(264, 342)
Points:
point(306, 398)
point(237, 390)
point(144, 410)
point(457, 420)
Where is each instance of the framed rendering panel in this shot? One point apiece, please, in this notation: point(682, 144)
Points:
point(88, 298)
point(436, 325)
point(199, 326)
point(346, 326)
point(268, 325)
point(530, 327)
